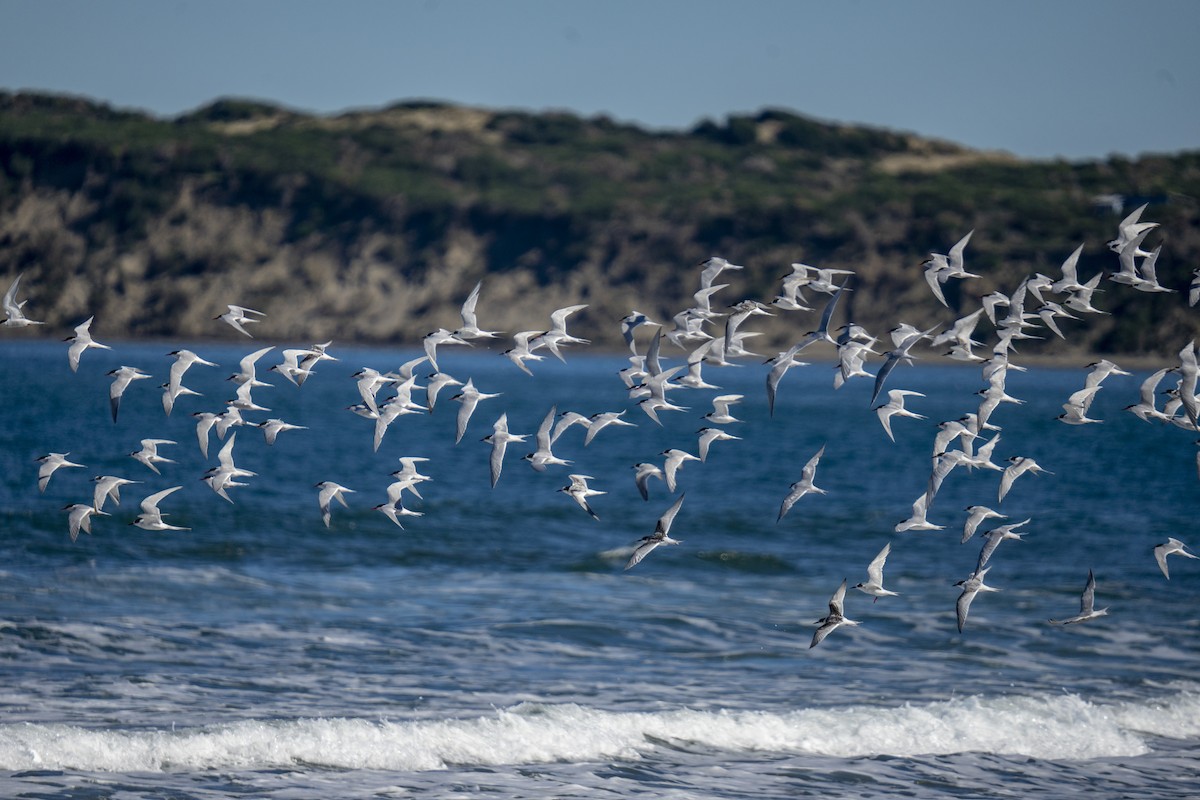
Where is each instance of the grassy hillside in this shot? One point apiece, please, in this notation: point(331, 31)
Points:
point(373, 225)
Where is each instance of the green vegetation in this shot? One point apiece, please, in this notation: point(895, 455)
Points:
point(418, 198)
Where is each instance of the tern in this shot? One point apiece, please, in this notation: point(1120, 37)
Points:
point(151, 518)
point(646, 471)
point(273, 427)
point(579, 491)
point(600, 421)
point(720, 414)
point(14, 315)
point(674, 460)
point(49, 464)
point(918, 521)
point(122, 377)
point(970, 587)
point(108, 487)
point(433, 340)
point(874, 584)
point(543, 457)
point(994, 538)
point(149, 456)
point(434, 385)
point(710, 435)
point(79, 517)
point(327, 492)
point(1169, 548)
point(803, 486)
point(247, 372)
point(895, 407)
point(499, 440)
point(80, 342)
point(835, 619)
point(1018, 466)
point(470, 324)
point(237, 316)
point(469, 397)
point(1087, 605)
point(661, 535)
point(975, 516)
point(567, 419)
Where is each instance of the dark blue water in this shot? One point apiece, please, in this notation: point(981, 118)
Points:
point(497, 644)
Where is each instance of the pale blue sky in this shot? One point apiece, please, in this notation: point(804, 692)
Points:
point(1077, 78)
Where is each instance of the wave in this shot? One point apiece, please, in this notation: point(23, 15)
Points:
point(1063, 727)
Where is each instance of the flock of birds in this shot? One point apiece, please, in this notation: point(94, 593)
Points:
point(711, 338)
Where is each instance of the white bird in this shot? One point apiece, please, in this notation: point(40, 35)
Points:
point(49, 464)
point(122, 377)
point(14, 315)
point(720, 414)
point(835, 619)
point(499, 440)
point(579, 491)
point(237, 316)
point(433, 340)
point(369, 381)
point(1131, 227)
point(994, 538)
point(661, 535)
point(1076, 408)
point(273, 427)
point(918, 520)
point(522, 351)
point(632, 322)
point(600, 421)
point(81, 341)
point(874, 583)
point(901, 353)
point(780, 364)
point(1100, 370)
point(1087, 605)
point(543, 457)
point(434, 384)
point(710, 435)
point(566, 420)
point(184, 359)
point(394, 511)
point(151, 518)
point(79, 517)
point(243, 401)
point(674, 460)
point(970, 587)
point(327, 492)
point(1169, 548)
point(975, 516)
point(469, 397)
point(247, 372)
point(803, 486)
point(470, 324)
point(1147, 409)
point(149, 456)
point(557, 336)
point(172, 393)
point(225, 474)
point(895, 407)
point(108, 487)
point(204, 423)
point(1018, 466)
point(712, 267)
point(646, 471)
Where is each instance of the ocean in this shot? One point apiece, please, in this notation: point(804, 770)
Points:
point(497, 646)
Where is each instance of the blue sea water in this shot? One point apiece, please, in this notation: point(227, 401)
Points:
point(496, 644)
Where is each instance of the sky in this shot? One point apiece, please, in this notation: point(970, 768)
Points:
point(1077, 79)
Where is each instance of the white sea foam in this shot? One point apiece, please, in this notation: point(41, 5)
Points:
point(1046, 727)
